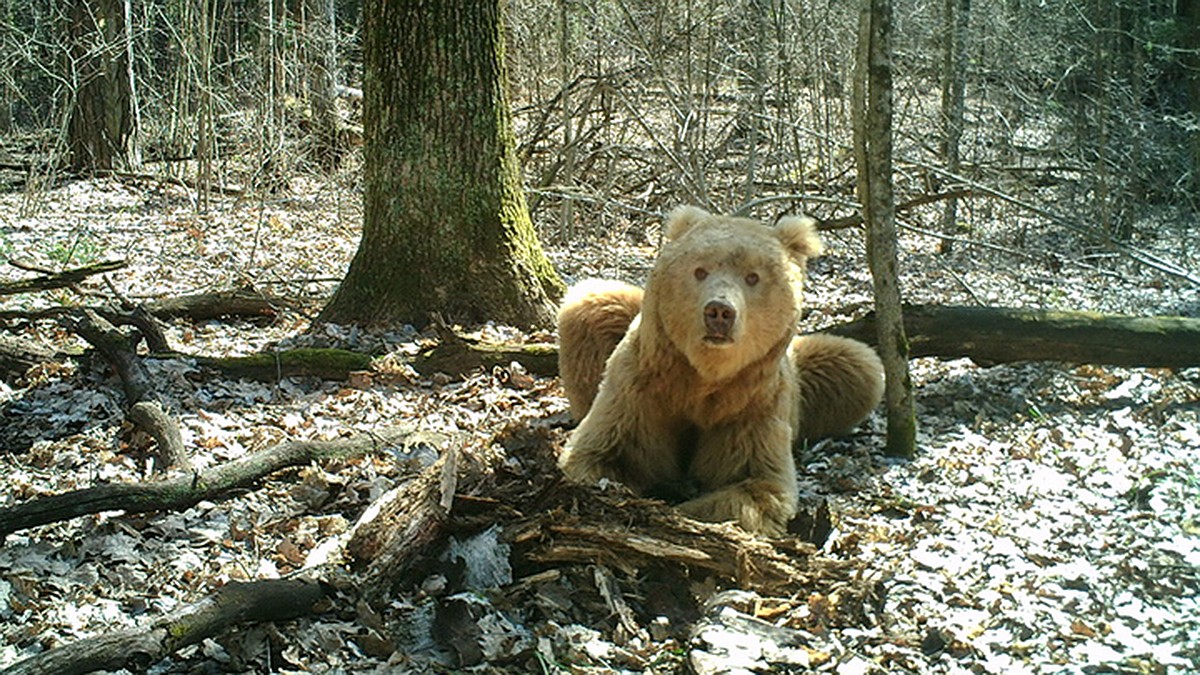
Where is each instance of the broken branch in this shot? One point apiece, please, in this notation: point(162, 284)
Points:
point(182, 491)
point(138, 649)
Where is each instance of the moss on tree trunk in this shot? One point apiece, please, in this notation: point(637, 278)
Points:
point(446, 227)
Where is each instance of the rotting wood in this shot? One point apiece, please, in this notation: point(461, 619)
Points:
point(184, 490)
point(549, 522)
point(457, 357)
point(138, 649)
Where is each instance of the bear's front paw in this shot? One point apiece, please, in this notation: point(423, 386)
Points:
point(578, 469)
point(755, 509)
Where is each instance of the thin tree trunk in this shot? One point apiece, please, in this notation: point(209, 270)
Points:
point(446, 228)
point(204, 110)
point(873, 153)
point(954, 75)
point(321, 51)
point(1188, 12)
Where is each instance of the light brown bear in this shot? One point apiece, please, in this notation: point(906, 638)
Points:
point(697, 389)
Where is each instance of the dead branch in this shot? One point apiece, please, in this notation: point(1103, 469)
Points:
point(856, 220)
point(116, 348)
point(172, 180)
point(145, 410)
point(51, 280)
point(171, 454)
point(138, 649)
point(183, 491)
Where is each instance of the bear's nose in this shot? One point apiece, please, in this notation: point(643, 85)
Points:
point(719, 317)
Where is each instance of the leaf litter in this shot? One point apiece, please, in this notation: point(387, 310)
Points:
point(1050, 522)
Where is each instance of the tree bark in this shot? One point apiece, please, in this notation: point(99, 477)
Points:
point(136, 650)
point(446, 228)
point(1188, 13)
point(872, 109)
point(101, 127)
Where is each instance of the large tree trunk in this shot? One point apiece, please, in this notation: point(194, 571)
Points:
point(872, 110)
point(102, 128)
point(446, 228)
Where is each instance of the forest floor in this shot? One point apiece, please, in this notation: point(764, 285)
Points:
point(1050, 522)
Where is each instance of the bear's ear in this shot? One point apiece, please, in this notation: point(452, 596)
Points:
point(798, 234)
point(682, 218)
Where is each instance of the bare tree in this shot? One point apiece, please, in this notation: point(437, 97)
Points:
point(320, 49)
point(872, 108)
point(956, 21)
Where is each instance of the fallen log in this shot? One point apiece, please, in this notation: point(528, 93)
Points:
point(138, 649)
point(17, 356)
point(239, 302)
point(327, 364)
point(988, 335)
point(185, 490)
point(458, 357)
point(992, 335)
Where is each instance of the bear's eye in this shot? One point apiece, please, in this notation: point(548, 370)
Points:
point(752, 279)
point(701, 274)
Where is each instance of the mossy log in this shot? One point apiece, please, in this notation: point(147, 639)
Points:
point(138, 649)
point(991, 335)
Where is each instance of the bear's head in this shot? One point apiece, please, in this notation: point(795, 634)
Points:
point(725, 292)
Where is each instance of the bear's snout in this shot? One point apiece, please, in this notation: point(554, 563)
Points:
point(719, 320)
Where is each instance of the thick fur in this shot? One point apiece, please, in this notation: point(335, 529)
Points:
point(592, 319)
point(697, 400)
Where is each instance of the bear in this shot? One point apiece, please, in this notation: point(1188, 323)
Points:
point(696, 389)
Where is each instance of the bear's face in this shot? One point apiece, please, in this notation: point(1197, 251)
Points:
point(725, 291)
